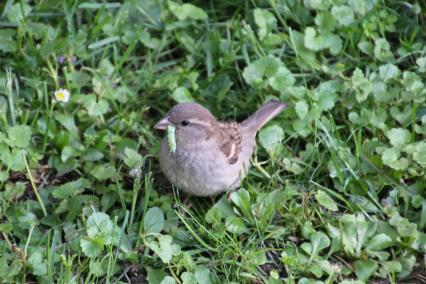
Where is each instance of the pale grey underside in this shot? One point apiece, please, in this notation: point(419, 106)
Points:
point(203, 169)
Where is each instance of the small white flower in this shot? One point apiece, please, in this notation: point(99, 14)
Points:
point(134, 172)
point(62, 95)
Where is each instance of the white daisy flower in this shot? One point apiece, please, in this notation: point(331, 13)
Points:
point(134, 172)
point(62, 95)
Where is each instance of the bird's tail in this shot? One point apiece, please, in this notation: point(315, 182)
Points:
point(264, 114)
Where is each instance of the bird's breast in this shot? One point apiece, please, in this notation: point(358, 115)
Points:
point(203, 170)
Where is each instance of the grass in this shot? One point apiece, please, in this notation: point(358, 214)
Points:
point(336, 191)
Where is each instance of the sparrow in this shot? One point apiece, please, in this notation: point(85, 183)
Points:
point(211, 156)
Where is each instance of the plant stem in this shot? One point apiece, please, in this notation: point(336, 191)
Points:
point(28, 243)
point(9, 82)
point(261, 169)
point(53, 72)
point(46, 133)
point(136, 189)
point(173, 273)
point(5, 237)
point(34, 185)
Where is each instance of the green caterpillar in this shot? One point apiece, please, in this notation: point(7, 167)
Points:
point(171, 138)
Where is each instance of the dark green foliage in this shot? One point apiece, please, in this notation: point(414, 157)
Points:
point(336, 193)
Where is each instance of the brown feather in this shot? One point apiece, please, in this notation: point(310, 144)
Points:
point(264, 114)
point(231, 139)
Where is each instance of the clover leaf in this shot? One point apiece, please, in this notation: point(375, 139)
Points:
point(101, 232)
point(37, 263)
point(265, 21)
point(187, 11)
point(382, 50)
point(391, 158)
point(419, 154)
point(302, 108)
point(389, 71)
point(91, 248)
point(324, 39)
point(18, 12)
point(343, 14)
point(270, 137)
point(398, 137)
point(268, 71)
point(182, 95)
point(325, 200)
point(154, 220)
point(313, 41)
point(99, 225)
point(165, 248)
point(362, 85)
point(19, 136)
point(364, 269)
point(132, 158)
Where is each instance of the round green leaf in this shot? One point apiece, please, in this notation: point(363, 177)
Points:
point(270, 137)
point(19, 136)
point(154, 220)
point(325, 200)
point(398, 137)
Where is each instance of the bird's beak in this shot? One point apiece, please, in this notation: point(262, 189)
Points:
point(163, 123)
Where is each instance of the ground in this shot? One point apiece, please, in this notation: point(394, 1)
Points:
point(336, 191)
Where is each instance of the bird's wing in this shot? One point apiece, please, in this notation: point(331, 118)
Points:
point(230, 140)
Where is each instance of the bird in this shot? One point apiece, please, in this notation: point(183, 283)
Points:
point(211, 156)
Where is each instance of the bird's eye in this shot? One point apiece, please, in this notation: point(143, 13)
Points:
point(185, 122)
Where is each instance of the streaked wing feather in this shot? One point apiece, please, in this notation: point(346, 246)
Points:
point(231, 139)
